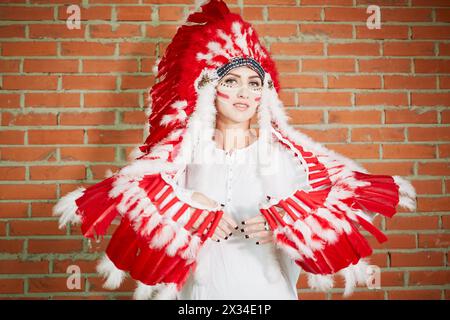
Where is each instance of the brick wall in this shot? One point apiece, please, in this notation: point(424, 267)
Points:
point(71, 107)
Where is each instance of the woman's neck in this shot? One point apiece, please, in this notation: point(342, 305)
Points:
point(230, 136)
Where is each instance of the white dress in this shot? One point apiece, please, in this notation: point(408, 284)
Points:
point(238, 268)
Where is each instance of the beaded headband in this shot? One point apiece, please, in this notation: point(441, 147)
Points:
point(239, 62)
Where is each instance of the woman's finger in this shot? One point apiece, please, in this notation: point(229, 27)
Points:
point(230, 221)
point(265, 240)
point(255, 227)
point(258, 234)
point(256, 219)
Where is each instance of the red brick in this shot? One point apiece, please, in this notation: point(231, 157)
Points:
point(357, 151)
point(28, 49)
point(26, 13)
point(55, 31)
point(111, 100)
point(55, 136)
point(74, 48)
point(54, 246)
point(91, 118)
point(354, 117)
point(409, 82)
point(11, 286)
point(434, 168)
point(404, 151)
point(417, 259)
point(96, 136)
point(430, 32)
point(329, 135)
point(328, 65)
point(345, 14)
point(52, 100)
point(107, 66)
point(41, 209)
point(378, 134)
point(58, 172)
point(412, 223)
point(12, 137)
point(408, 48)
point(294, 13)
point(428, 134)
point(86, 266)
point(164, 31)
point(12, 173)
point(428, 186)
point(27, 192)
point(390, 168)
point(406, 15)
point(137, 82)
point(301, 81)
point(276, 30)
point(354, 49)
point(430, 99)
point(395, 241)
point(414, 294)
point(385, 65)
point(333, 31)
point(433, 204)
point(327, 99)
point(11, 246)
point(88, 13)
point(34, 228)
point(92, 154)
point(140, 13)
point(137, 49)
point(357, 82)
point(47, 285)
point(170, 13)
point(440, 240)
point(30, 82)
point(25, 267)
point(410, 116)
point(9, 66)
point(134, 117)
point(386, 32)
point(297, 49)
point(429, 277)
point(86, 82)
point(385, 98)
point(12, 31)
point(9, 100)
point(300, 116)
point(13, 209)
point(28, 153)
point(28, 119)
point(107, 31)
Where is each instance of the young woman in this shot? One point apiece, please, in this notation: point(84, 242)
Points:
point(211, 208)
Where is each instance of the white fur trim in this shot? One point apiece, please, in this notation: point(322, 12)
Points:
point(353, 275)
point(143, 291)
point(320, 282)
point(407, 193)
point(67, 208)
point(113, 275)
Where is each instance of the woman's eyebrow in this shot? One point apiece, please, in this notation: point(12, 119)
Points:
point(236, 75)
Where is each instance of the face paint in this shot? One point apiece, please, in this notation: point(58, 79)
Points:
point(223, 95)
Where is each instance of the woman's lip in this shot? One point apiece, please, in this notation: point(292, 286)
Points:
point(241, 106)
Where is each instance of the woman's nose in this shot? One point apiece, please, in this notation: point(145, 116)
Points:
point(243, 92)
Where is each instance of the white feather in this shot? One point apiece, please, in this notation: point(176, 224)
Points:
point(66, 208)
point(113, 275)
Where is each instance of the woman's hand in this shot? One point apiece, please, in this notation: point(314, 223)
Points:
point(258, 228)
point(226, 224)
point(255, 228)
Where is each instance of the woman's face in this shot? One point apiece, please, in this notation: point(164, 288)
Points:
point(238, 95)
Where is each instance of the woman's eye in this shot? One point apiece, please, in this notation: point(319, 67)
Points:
point(230, 81)
point(255, 84)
